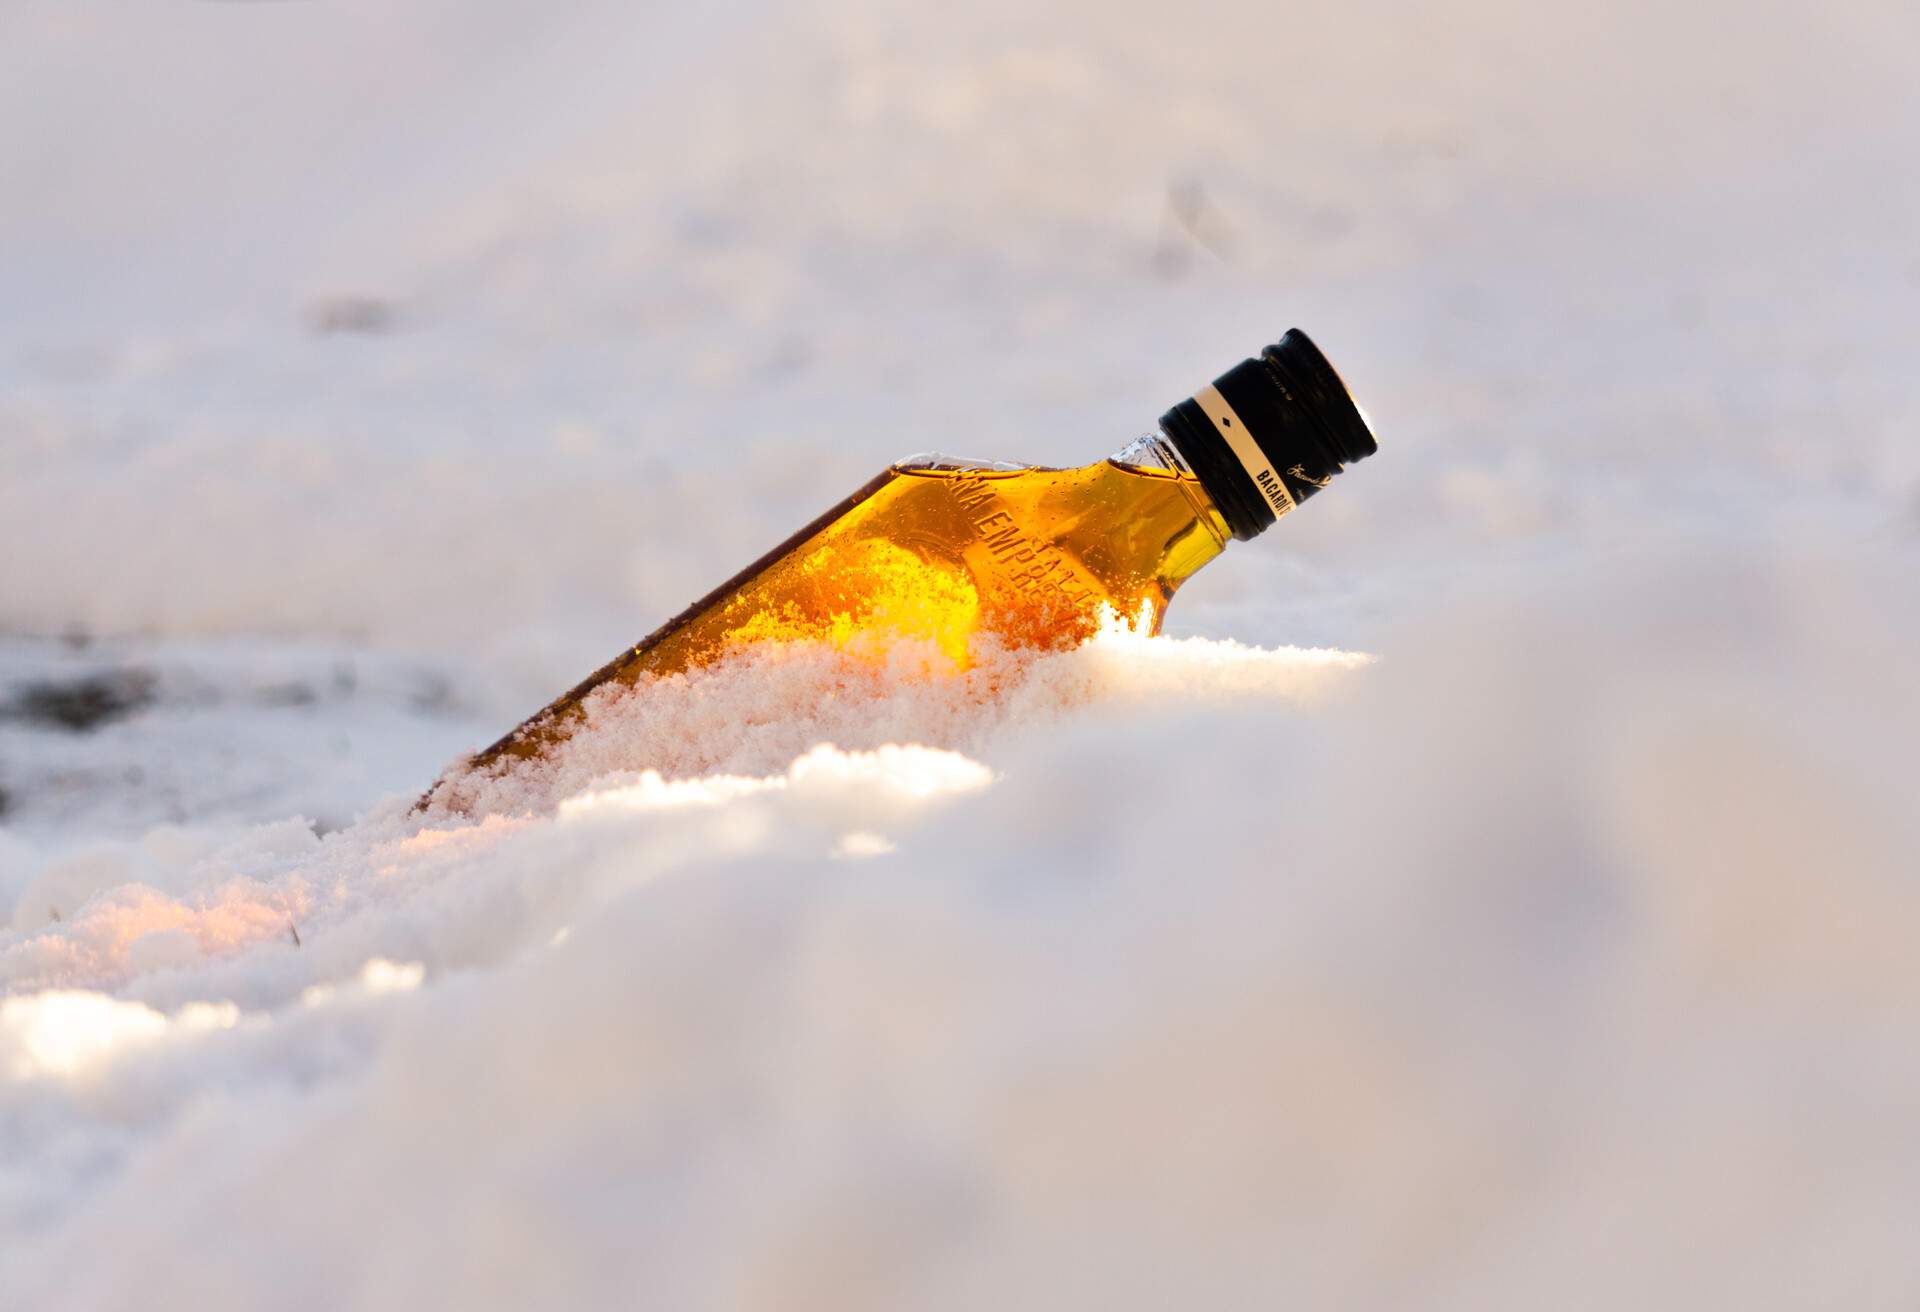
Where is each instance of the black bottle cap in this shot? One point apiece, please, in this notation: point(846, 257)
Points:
point(1269, 433)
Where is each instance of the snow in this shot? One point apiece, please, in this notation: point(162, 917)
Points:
point(1498, 891)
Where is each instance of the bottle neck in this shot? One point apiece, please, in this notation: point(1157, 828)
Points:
point(1156, 451)
point(1153, 451)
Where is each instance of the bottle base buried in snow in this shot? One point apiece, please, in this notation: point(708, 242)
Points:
point(946, 554)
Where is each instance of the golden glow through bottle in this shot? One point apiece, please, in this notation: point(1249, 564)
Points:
point(950, 553)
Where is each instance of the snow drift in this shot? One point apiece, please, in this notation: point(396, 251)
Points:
point(1141, 1003)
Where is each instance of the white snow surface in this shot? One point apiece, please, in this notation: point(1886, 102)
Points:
point(1499, 890)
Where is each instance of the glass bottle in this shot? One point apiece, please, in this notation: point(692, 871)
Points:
point(952, 554)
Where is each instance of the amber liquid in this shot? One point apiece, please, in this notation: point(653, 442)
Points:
point(942, 557)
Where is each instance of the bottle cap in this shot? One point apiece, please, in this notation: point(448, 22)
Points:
point(1270, 432)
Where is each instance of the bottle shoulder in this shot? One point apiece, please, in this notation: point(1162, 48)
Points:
point(1150, 456)
point(1114, 490)
point(933, 464)
point(939, 462)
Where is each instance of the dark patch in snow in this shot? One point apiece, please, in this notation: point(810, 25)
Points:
point(81, 704)
point(366, 316)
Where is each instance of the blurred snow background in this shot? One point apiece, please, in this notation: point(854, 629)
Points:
point(369, 372)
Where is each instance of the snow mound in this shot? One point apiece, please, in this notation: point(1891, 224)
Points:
point(755, 711)
point(1192, 993)
point(855, 748)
